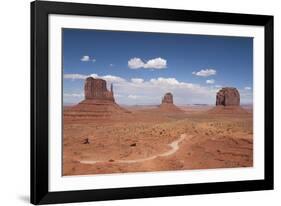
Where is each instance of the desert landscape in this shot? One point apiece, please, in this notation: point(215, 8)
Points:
point(100, 136)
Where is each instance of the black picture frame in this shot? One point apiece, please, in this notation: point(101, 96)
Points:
point(40, 108)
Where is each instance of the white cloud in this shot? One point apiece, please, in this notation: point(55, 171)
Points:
point(131, 96)
point(74, 76)
point(109, 78)
point(111, 65)
point(139, 91)
point(118, 95)
point(205, 73)
point(136, 99)
point(210, 81)
point(73, 95)
point(172, 82)
point(161, 80)
point(246, 95)
point(157, 63)
point(152, 91)
point(85, 58)
point(137, 80)
point(218, 86)
point(135, 63)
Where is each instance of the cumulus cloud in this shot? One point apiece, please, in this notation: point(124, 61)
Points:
point(246, 95)
point(205, 72)
point(137, 80)
point(73, 95)
point(109, 78)
point(172, 82)
point(150, 91)
point(74, 76)
point(161, 80)
point(87, 58)
point(157, 63)
point(135, 63)
point(210, 81)
point(131, 96)
point(136, 99)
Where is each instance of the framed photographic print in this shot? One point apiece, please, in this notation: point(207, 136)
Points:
point(133, 102)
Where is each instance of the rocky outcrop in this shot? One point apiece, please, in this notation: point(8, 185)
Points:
point(168, 98)
point(99, 103)
point(228, 96)
point(228, 102)
point(95, 89)
point(167, 104)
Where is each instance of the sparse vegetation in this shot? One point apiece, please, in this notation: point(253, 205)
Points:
point(217, 141)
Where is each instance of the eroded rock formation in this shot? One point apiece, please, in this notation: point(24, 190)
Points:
point(228, 96)
point(168, 104)
point(168, 98)
point(99, 103)
point(228, 103)
point(95, 89)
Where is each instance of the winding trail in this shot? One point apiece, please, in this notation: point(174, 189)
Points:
point(174, 148)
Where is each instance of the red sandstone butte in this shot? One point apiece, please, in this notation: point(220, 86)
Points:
point(96, 92)
point(228, 102)
point(168, 98)
point(168, 104)
point(99, 102)
point(228, 96)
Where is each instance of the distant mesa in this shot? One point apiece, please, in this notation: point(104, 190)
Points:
point(99, 102)
point(228, 96)
point(168, 98)
point(167, 104)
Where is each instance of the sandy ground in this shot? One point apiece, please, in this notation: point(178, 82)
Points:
point(150, 139)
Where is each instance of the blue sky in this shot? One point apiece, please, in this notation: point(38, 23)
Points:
point(143, 66)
